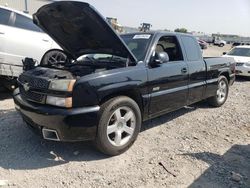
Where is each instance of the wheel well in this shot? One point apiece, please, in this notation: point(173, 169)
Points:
point(135, 95)
point(226, 74)
point(48, 52)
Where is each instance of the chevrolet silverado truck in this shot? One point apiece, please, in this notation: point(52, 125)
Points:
point(110, 84)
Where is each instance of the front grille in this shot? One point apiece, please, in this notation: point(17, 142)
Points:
point(32, 96)
point(239, 64)
point(32, 83)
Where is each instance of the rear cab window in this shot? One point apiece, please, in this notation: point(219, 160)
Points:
point(192, 48)
point(4, 16)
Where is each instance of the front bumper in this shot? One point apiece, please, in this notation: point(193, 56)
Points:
point(242, 70)
point(76, 124)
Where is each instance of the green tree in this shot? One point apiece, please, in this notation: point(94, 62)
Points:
point(181, 30)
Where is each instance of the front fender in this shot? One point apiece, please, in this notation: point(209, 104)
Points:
point(92, 89)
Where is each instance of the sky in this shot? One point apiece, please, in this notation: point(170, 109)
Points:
point(209, 16)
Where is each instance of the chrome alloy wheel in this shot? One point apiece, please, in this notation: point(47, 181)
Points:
point(121, 126)
point(222, 91)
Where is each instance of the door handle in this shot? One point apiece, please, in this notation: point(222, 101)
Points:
point(45, 40)
point(2, 33)
point(184, 70)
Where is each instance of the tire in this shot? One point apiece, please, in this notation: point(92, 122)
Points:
point(221, 45)
point(123, 133)
point(53, 57)
point(222, 93)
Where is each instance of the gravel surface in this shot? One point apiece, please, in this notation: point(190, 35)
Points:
point(197, 146)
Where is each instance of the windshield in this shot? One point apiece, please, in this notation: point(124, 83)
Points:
point(137, 43)
point(240, 52)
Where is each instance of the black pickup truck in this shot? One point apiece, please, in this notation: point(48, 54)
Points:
point(109, 83)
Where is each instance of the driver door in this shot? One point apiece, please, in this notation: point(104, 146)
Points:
point(168, 82)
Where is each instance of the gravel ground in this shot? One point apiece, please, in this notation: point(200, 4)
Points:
point(197, 146)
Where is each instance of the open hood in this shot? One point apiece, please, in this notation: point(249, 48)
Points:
point(79, 29)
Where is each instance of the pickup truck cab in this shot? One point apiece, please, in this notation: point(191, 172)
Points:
point(111, 83)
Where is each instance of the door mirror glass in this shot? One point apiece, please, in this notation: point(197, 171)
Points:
point(161, 57)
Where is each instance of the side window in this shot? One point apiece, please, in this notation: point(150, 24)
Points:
point(170, 45)
point(25, 23)
point(192, 48)
point(4, 16)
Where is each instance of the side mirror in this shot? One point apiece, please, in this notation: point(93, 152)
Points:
point(224, 53)
point(160, 58)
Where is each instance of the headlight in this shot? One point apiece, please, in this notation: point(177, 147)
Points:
point(62, 85)
point(59, 101)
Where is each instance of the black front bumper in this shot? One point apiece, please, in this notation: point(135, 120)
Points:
point(76, 124)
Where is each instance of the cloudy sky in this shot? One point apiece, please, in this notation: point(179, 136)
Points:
point(210, 16)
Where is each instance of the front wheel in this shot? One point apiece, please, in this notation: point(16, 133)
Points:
point(119, 125)
point(222, 93)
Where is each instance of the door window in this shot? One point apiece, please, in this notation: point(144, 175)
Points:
point(25, 23)
point(5, 16)
point(170, 45)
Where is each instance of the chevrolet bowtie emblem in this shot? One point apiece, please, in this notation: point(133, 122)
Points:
point(26, 86)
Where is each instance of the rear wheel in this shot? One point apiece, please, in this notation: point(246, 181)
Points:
point(222, 93)
point(119, 125)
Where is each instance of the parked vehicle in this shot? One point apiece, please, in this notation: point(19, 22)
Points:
point(241, 55)
point(117, 83)
point(239, 44)
point(20, 38)
point(219, 42)
point(202, 44)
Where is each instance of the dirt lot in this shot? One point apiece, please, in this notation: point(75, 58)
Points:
point(197, 146)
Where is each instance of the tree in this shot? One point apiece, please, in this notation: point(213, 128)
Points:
point(181, 30)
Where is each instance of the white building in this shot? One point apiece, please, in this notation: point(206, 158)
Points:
point(30, 6)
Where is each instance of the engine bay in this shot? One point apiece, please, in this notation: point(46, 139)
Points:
point(72, 69)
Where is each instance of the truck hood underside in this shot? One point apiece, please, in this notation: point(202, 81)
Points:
point(79, 29)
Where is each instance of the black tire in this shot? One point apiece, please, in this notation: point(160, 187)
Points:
point(216, 100)
point(221, 45)
point(103, 140)
point(53, 57)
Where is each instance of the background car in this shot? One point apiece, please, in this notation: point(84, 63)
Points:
point(20, 38)
point(241, 54)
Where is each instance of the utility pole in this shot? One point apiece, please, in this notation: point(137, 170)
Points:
point(26, 6)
